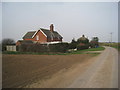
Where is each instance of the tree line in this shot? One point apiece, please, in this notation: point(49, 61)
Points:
point(84, 43)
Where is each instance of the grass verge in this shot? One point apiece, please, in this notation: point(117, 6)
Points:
point(94, 49)
point(114, 45)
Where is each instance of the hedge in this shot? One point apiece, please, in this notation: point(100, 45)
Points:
point(33, 48)
point(82, 46)
point(59, 47)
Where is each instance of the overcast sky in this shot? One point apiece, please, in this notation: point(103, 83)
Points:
point(70, 19)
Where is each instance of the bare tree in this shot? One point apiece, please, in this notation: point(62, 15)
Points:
point(7, 41)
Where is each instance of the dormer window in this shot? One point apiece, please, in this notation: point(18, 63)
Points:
point(37, 37)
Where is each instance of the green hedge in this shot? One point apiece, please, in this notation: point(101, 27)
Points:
point(94, 44)
point(59, 47)
point(82, 46)
point(33, 48)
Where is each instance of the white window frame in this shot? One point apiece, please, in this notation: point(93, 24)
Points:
point(37, 37)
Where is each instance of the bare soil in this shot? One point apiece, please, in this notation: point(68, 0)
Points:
point(22, 70)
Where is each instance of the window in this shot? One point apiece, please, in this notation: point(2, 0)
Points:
point(37, 37)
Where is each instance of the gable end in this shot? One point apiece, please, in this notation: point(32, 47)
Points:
point(43, 33)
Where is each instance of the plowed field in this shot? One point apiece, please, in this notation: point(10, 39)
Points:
point(20, 70)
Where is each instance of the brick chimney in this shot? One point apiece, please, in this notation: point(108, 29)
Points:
point(51, 28)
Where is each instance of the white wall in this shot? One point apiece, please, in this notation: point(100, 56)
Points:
point(11, 48)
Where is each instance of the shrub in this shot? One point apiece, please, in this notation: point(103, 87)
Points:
point(73, 44)
point(82, 46)
point(59, 47)
point(83, 40)
point(33, 48)
point(94, 44)
point(83, 43)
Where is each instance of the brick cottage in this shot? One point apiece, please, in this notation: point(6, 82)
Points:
point(41, 36)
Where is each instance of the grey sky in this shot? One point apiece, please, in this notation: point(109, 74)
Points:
point(70, 19)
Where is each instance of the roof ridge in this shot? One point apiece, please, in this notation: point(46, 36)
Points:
point(47, 29)
point(44, 28)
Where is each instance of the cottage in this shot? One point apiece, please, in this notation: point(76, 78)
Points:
point(43, 36)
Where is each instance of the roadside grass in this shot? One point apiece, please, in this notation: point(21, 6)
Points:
point(94, 54)
point(117, 47)
point(85, 51)
point(114, 45)
point(68, 53)
point(94, 49)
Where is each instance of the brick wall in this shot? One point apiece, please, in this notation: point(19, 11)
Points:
point(41, 37)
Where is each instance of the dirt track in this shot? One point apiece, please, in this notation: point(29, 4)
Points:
point(21, 70)
point(103, 73)
point(62, 71)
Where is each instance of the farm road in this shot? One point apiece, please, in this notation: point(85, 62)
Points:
point(98, 72)
point(103, 73)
